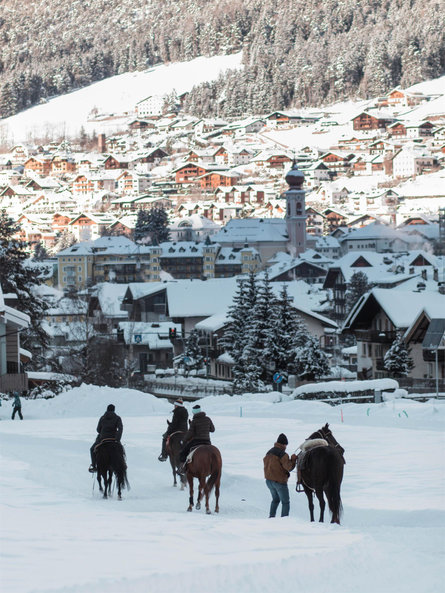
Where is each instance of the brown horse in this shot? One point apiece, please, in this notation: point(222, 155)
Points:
point(206, 461)
point(322, 473)
point(174, 445)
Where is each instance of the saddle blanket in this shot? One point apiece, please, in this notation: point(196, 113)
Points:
point(312, 443)
point(190, 455)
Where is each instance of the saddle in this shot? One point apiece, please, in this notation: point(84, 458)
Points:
point(191, 453)
point(308, 445)
point(104, 442)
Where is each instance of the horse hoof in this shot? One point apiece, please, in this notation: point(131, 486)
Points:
point(208, 512)
point(198, 507)
point(189, 509)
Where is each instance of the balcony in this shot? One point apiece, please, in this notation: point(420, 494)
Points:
point(375, 335)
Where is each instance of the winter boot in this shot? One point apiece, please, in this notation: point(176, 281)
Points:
point(163, 456)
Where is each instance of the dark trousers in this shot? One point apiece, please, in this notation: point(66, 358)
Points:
point(15, 411)
point(280, 493)
point(189, 446)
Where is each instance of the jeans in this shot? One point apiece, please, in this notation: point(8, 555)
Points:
point(280, 493)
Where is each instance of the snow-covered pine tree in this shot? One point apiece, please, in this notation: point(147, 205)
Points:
point(63, 240)
point(40, 253)
point(397, 360)
point(311, 362)
point(358, 285)
point(141, 229)
point(157, 224)
point(287, 333)
point(261, 330)
point(236, 332)
point(19, 276)
point(192, 350)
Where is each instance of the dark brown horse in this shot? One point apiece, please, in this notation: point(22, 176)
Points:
point(206, 462)
point(174, 444)
point(110, 460)
point(322, 473)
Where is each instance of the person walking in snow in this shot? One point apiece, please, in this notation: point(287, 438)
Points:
point(198, 434)
point(16, 406)
point(178, 423)
point(277, 465)
point(109, 427)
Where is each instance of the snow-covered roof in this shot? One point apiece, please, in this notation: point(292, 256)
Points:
point(253, 230)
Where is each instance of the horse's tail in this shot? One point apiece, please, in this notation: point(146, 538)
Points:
point(335, 475)
point(120, 467)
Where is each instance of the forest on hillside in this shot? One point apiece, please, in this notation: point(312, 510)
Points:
point(296, 52)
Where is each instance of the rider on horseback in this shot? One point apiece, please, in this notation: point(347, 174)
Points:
point(178, 424)
point(109, 427)
point(198, 434)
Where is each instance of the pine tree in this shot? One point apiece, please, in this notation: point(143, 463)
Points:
point(397, 360)
point(63, 240)
point(358, 285)
point(19, 276)
point(157, 225)
point(192, 350)
point(311, 362)
point(141, 230)
point(40, 252)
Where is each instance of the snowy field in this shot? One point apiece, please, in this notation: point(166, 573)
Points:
point(59, 535)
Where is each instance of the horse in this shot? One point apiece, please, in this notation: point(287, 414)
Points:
point(322, 472)
point(174, 444)
point(206, 461)
point(110, 459)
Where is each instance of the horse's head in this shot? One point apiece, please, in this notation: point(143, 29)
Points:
point(326, 434)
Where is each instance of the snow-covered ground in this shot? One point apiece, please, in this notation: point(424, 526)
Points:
point(67, 114)
point(59, 535)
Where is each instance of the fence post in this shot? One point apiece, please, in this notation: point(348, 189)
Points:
point(377, 396)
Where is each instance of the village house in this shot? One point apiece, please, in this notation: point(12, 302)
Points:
point(372, 120)
point(107, 259)
point(380, 316)
point(412, 160)
point(12, 322)
point(152, 106)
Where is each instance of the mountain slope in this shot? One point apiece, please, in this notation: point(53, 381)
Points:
point(295, 52)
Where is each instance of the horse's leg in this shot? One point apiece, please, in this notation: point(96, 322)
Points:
point(218, 480)
point(310, 501)
point(190, 481)
point(172, 463)
point(201, 491)
point(99, 481)
point(319, 493)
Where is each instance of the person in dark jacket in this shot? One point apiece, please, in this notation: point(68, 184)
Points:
point(109, 427)
point(178, 423)
point(198, 433)
point(277, 465)
point(16, 406)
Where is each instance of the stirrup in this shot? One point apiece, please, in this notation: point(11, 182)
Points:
point(299, 487)
point(92, 469)
point(162, 457)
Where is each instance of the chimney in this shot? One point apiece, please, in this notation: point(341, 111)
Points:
point(101, 143)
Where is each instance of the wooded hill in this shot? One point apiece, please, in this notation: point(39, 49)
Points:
point(296, 52)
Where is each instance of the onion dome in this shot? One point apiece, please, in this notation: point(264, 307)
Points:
point(295, 177)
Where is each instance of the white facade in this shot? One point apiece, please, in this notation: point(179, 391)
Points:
point(151, 106)
point(410, 162)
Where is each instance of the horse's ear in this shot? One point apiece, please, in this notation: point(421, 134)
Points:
point(326, 425)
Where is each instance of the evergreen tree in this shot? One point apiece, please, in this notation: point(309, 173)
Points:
point(64, 239)
point(358, 285)
point(286, 335)
point(40, 252)
point(192, 350)
point(157, 224)
point(19, 276)
point(397, 360)
point(311, 362)
point(141, 230)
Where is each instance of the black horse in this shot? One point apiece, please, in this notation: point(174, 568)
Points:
point(110, 459)
point(174, 445)
point(322, 472)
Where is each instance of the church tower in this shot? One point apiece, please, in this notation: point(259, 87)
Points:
point(295, 211)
